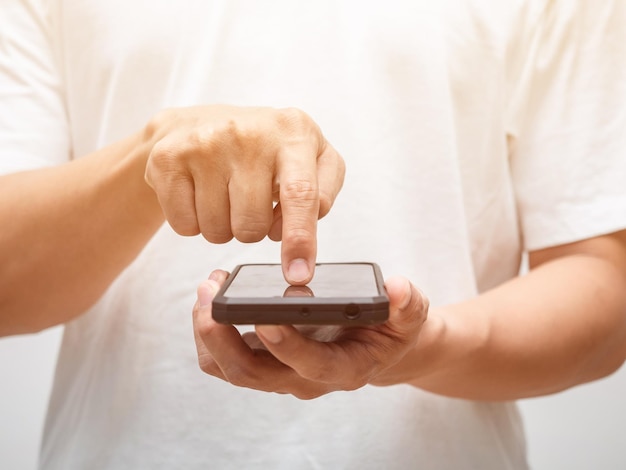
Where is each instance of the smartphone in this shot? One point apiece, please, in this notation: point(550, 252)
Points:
point(339, 294)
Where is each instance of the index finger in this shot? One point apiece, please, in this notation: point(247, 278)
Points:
point(300, 204)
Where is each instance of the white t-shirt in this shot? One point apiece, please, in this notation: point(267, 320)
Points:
point(472, 131)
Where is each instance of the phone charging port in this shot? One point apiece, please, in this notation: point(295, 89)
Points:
point(352, 312)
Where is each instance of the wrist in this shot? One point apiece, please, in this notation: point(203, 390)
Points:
point(449, 348)
point(130, 172)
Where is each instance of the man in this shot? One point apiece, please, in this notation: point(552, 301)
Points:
point(472, 131)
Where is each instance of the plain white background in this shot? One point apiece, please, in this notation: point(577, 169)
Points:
point(581, 429)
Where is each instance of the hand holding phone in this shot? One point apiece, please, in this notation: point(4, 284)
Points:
point(312, 360)
point(339, 294)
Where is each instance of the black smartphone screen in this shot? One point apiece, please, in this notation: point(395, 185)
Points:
point(339, 293)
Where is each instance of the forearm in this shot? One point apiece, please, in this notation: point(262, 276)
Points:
point(561, 325)
point(211, 170)
point(68, 231)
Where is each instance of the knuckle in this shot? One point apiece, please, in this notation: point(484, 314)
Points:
point(240, 375)
point(300, 191)
point(235, 137)
point(207, 365)
point(297, 236)
point(204, 328)
point(321, 373)
point(307, 394)
point(249, 235)
point(293, 119)
point(183, 224)
point(346, 380)
point(250, 229)
point(205, 148)
point(227, 130)
point(163, 156)
point(218, 237)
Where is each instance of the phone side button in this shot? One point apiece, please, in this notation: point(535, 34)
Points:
point(352, 312)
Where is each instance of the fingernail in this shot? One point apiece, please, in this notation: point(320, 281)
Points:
point(206, 293)
point(214, 276)
point(298, 270)
point(408, 294)
point(271, 333)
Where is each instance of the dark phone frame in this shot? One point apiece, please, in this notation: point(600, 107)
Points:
point(367, 310)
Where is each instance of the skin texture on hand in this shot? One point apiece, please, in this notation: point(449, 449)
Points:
point(307, 361)
point(562, 324)
point(217, 171)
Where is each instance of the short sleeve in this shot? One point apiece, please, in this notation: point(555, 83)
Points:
point(33, 122)
point(568, 123)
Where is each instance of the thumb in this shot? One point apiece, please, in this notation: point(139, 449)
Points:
point(208, 288)
point(206, 293)
point(408, 306)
